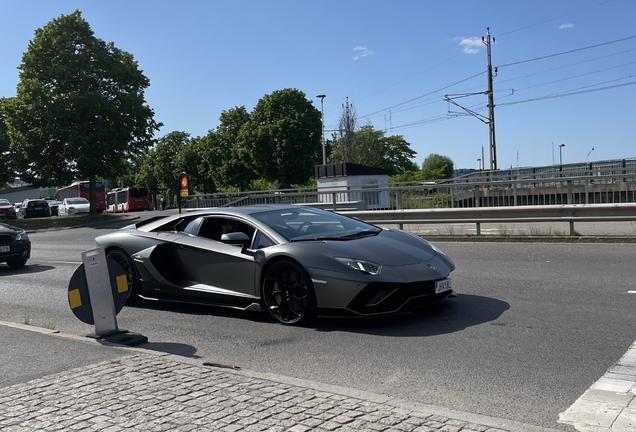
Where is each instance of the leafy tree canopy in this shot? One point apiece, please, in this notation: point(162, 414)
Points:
point(281, 142)
point(222, 150)
point(7, 173)
point(80, 111)
point(372, 148)
point(165, 163)
point(435, 161)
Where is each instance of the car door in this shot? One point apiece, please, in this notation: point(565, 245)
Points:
point(217, 272)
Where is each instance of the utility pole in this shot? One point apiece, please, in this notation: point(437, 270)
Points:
point(491, 103)
point(490, 120)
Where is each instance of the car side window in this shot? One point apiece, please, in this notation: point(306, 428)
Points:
point(192, 227)
point(261, 241)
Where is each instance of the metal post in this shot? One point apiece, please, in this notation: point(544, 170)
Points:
point(322, 121)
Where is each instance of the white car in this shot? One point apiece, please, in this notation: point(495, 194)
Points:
point(73, 206)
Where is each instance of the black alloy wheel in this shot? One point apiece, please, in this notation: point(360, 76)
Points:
point(288, 294)
point(123, 259)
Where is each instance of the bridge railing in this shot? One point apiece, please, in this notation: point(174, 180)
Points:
point(478, 193)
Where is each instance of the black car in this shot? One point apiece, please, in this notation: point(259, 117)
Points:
point(34, 208)
point(15, 246)
point(53, 205)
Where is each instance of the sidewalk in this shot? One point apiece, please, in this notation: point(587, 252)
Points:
point(133, 389)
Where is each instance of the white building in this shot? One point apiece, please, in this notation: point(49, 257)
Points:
point(347, 181)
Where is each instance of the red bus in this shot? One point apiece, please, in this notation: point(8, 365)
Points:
point(82, 189)
point(128, 199)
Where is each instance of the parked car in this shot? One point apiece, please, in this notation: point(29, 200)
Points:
point(294, 262)
point(32, 208)
point(7, 211)
point(54, 205)
point(15, 246)
point(74, 206)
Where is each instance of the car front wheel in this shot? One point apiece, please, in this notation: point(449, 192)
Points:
point(288, 293)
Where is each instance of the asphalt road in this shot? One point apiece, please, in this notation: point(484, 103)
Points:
point(533, 326)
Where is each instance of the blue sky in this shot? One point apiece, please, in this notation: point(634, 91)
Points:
point(394, 61)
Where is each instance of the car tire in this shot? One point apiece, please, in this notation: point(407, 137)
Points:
point(288, 294)
point(123, 259)
point(17, 263)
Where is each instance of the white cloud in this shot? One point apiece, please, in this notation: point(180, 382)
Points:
point(470, 45)
point(362, 52)
point(564, 26)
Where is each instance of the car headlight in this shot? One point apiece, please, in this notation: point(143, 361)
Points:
point(366, 267)
point(22, 237)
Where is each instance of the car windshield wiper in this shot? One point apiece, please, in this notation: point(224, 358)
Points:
point(360, 234)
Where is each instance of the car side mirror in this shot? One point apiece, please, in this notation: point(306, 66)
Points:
point(234, 236)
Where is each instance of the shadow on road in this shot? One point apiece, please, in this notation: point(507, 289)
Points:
point(36, 268)
point(453, 315)
point(172, 348)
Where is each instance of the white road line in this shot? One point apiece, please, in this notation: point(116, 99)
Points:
point(631, 292)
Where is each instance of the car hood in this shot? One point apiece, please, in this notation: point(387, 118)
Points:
point(7, 229)
point(388, 248)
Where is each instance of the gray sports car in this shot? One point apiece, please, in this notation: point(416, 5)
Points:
point(295, 262)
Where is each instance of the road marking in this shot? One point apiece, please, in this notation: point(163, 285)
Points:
point(631, 292)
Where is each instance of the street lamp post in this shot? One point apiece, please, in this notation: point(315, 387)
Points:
point(561, 157)
point(322, 121)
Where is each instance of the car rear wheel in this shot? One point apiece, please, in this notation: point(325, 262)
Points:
point(123, 259)
point(288, 294)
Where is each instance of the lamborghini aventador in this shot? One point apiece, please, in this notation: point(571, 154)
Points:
point(295, 262)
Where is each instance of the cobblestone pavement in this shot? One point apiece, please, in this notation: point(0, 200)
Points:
point(162, 392)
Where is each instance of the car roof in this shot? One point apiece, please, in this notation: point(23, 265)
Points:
point(153, 223)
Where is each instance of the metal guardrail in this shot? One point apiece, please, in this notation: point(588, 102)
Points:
point(520, 214)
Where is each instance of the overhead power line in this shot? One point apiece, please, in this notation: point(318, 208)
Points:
point(424, 95)
point(567, 52)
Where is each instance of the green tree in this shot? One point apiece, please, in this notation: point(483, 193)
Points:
point(398, 155)
point(222, 150)
point(145, 176)
point(191, 160)
point(344, 137)
point(165, 164)
point(435, 161)
point(79, 112)
point(281, 143)
point(7, 158)
point(372, 148)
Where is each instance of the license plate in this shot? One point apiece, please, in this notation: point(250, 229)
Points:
point(442, 285)
point(5, 249)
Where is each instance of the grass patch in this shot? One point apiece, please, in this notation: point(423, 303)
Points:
point(538, 231)
point(506, 230)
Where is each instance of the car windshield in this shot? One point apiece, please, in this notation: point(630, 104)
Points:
point(305, 224)
point(77, 201)
point(4, 202)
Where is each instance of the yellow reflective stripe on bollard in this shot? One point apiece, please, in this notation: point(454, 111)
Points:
point(74, 298)
point(122, 283)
